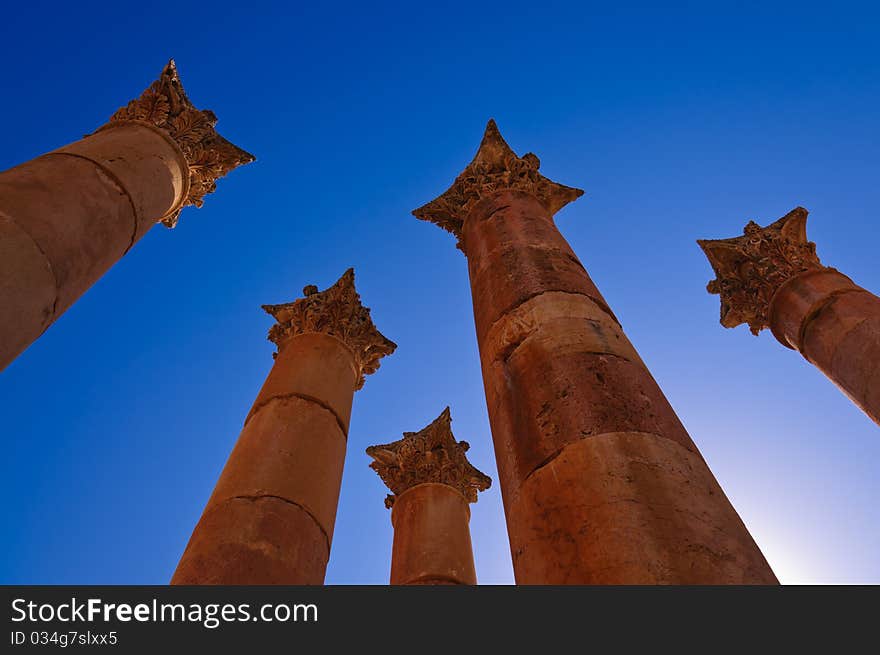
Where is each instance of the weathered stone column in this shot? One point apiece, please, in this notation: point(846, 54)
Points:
point(772, 278)
point(601, 483)
point(66, 217)
point(270, 519)
point(432, 484)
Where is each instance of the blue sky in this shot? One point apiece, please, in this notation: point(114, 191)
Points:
point(680, 122)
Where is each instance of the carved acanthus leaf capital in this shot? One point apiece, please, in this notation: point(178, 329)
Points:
point(336, 311)
point(209, 156)
point(430, 455)
point(750, 269)
point(494, 168)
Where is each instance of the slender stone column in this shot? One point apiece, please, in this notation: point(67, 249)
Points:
point(66, 217)
point(772, 278)
point(601, 483)
point(270, 519)
point(432, 483)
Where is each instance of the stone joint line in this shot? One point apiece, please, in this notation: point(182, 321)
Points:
point(289, 502)
point(48, 263)
point(819, 307)
point(317, 401)
point(505, 355)
point(561, 449)
point(600, 305)
point(116, 181)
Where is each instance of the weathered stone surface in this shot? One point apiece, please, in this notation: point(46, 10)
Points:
point(836, 318)
point(560, 377)
point(518, 254)
point(254, 541)
point(208, 155)
point(291, 449)
point(494, 168)
point(328, 385)
point(27, 290)
point(432, 483)
point(630, 508)
point(855, 366)
point(84, 205)
point(81, 220)
point(143, 163)
point(432, 542)
point(803, 296)
point(336, 311)
point(543, 401)
point(772, 278)
point(751, 268)
point(567, 322)
point(270, 519)
point(430, 455)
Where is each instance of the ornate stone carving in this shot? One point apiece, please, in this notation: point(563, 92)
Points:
point(751, 268)
point(495, 167)
point(164, 104)
point(430, 455)
point(336, 311)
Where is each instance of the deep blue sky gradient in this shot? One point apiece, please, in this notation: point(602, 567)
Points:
point(680, 121)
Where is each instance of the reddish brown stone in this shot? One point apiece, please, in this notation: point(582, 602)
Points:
point(630, 508)
point(292, 449)
point(432, 543)
point(546, 402)
point(601, 482)
point(508, 217)
point(515, 254)
point(855, 364)
point(68, 216)
point(432, 483)
point(771, 277)
point(328, 384)
point(254, 541)
point(801, 296)
point(835, 326)
point(77, 221)
point(270, 519)
point(27, 290)
point(834, 315)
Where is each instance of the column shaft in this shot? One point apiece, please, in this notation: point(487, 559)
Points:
point(432, 483)
point(601, 482)
point(68, 216)
point(270, 519)
point(771, 277)
point(835, 325)
point(432, 542)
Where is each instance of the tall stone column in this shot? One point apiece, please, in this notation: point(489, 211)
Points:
point(66, 217)
point(601, 483)
point(772, 278)
point(432, 484)
point(270, 519)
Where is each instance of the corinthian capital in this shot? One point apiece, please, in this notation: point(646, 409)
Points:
point(430, 455)
point(751, 268)
point(164, 105)
point(494, 168)
point(336, 311)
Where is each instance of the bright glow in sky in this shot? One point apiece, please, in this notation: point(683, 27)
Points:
point(680, 122)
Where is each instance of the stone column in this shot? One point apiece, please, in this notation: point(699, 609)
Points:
point(432, 484)
point(601, 483)
point(66, 217)
point(771, 278)
point(270, 519)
